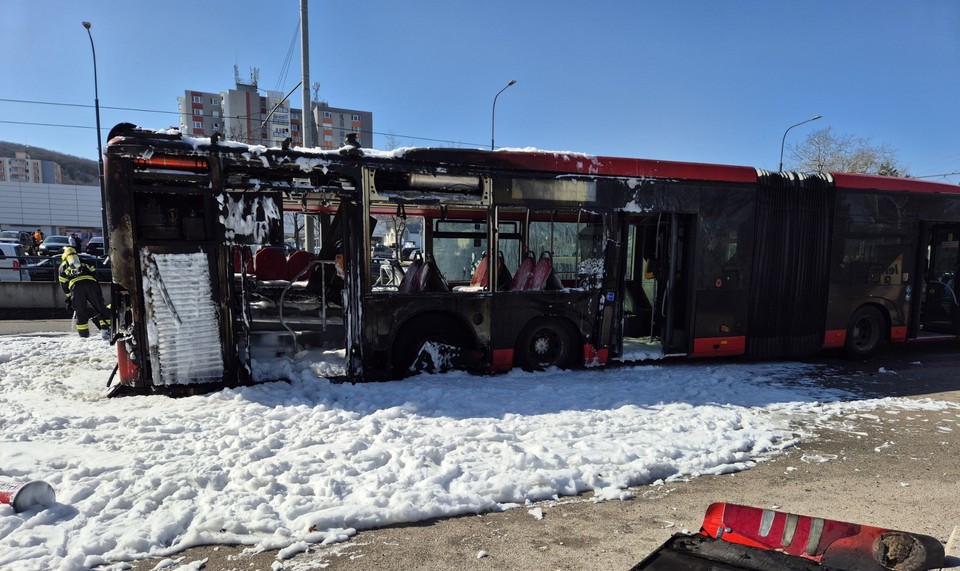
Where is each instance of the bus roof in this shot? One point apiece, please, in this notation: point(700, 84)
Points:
point(557, 162)
point(580, 163)
point(875, 182)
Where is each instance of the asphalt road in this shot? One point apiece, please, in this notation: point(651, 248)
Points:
point(888, 469)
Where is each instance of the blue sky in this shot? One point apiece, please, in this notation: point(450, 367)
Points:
point(700, 81)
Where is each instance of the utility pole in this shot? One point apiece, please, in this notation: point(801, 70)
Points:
point(309, 139)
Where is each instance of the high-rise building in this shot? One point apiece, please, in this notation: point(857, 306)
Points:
point(333, 124)
point(242, 114)
point(201, 113)
point(21, 168)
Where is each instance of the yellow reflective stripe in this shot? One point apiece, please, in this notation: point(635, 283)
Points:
point(80, 278)
point(82, 327)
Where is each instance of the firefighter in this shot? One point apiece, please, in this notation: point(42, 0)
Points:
point(78, 280)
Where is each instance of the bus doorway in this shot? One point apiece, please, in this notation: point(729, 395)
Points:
point(656, 297)
point(939, 312)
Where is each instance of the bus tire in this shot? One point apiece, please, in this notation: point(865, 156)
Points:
point(442, 330)
point(865, 333)
point(546, 342)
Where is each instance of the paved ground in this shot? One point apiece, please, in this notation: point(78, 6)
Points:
point(21, 326)
point(887, 469)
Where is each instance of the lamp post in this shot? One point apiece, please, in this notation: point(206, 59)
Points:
point(782, 141)
point(96, 104)
point(493, 116)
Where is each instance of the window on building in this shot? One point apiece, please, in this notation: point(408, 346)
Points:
point(197, 99)
point(198, 111)
point(215, 101)
point(198, 124)
point(327, 115)
point(356, 117)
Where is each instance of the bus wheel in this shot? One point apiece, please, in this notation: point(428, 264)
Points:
point(545, 343)
point(865, 333)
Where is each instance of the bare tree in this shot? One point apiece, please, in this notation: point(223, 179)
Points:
point(822, 151)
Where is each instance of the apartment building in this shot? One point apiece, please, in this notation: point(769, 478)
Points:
point(333, 124)
point(257, 117)
point(21, 168)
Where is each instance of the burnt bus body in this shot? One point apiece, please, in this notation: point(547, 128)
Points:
point(587, 256)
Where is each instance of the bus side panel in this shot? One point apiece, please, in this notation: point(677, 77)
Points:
point(724, 253)
point(433, 314)
point(515, 310)
point(874, 257)
point(126, 300)
point(390, 319)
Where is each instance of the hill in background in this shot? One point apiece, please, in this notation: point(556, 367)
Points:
point(74, 170)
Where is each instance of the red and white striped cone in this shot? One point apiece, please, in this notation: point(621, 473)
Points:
point(25, 495)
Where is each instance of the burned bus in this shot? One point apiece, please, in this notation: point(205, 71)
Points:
point(528, 259)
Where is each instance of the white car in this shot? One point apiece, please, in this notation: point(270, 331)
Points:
point(13, 263)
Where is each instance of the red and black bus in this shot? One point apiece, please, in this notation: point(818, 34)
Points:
point(528, 259)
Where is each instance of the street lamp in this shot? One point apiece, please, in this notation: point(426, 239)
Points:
point(96, 104)
point(493, 116)
point(782, 141)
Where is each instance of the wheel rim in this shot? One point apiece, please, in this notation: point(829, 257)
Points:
point(865, 333)
point(546, 347)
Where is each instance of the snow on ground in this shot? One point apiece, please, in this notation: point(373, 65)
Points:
point(283, 463)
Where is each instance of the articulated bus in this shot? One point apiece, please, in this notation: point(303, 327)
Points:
point(528, 259)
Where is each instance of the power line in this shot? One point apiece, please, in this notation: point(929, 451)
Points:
point(944, 175)
point(47, 125)
point(87, 106)
point(179, 113)
point(238, 117)
point(380, 133)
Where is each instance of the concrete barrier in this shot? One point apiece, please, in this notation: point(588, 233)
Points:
point(17, 297)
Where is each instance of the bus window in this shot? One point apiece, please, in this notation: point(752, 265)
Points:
point(872, 253)
point(569, 242)
point(509, 240)
point(457, 247)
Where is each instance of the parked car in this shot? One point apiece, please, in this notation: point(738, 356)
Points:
point(13, 263)
point(54, 245)
point(47, 270)
point(381, 251)
point(95, 246)
point(21, 237)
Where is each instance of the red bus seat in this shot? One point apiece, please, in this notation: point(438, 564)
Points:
point(480, 274)
point(521, 279)
point(541, 272)
point(297, 261)
point(269, 264)
point(411, 279)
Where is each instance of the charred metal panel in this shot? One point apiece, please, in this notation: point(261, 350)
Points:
point(517, 308)
point(183, 325)
point(251, 218)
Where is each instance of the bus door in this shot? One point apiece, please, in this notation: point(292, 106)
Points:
point(675, 230)
point(939, 312)
point(657, 278)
